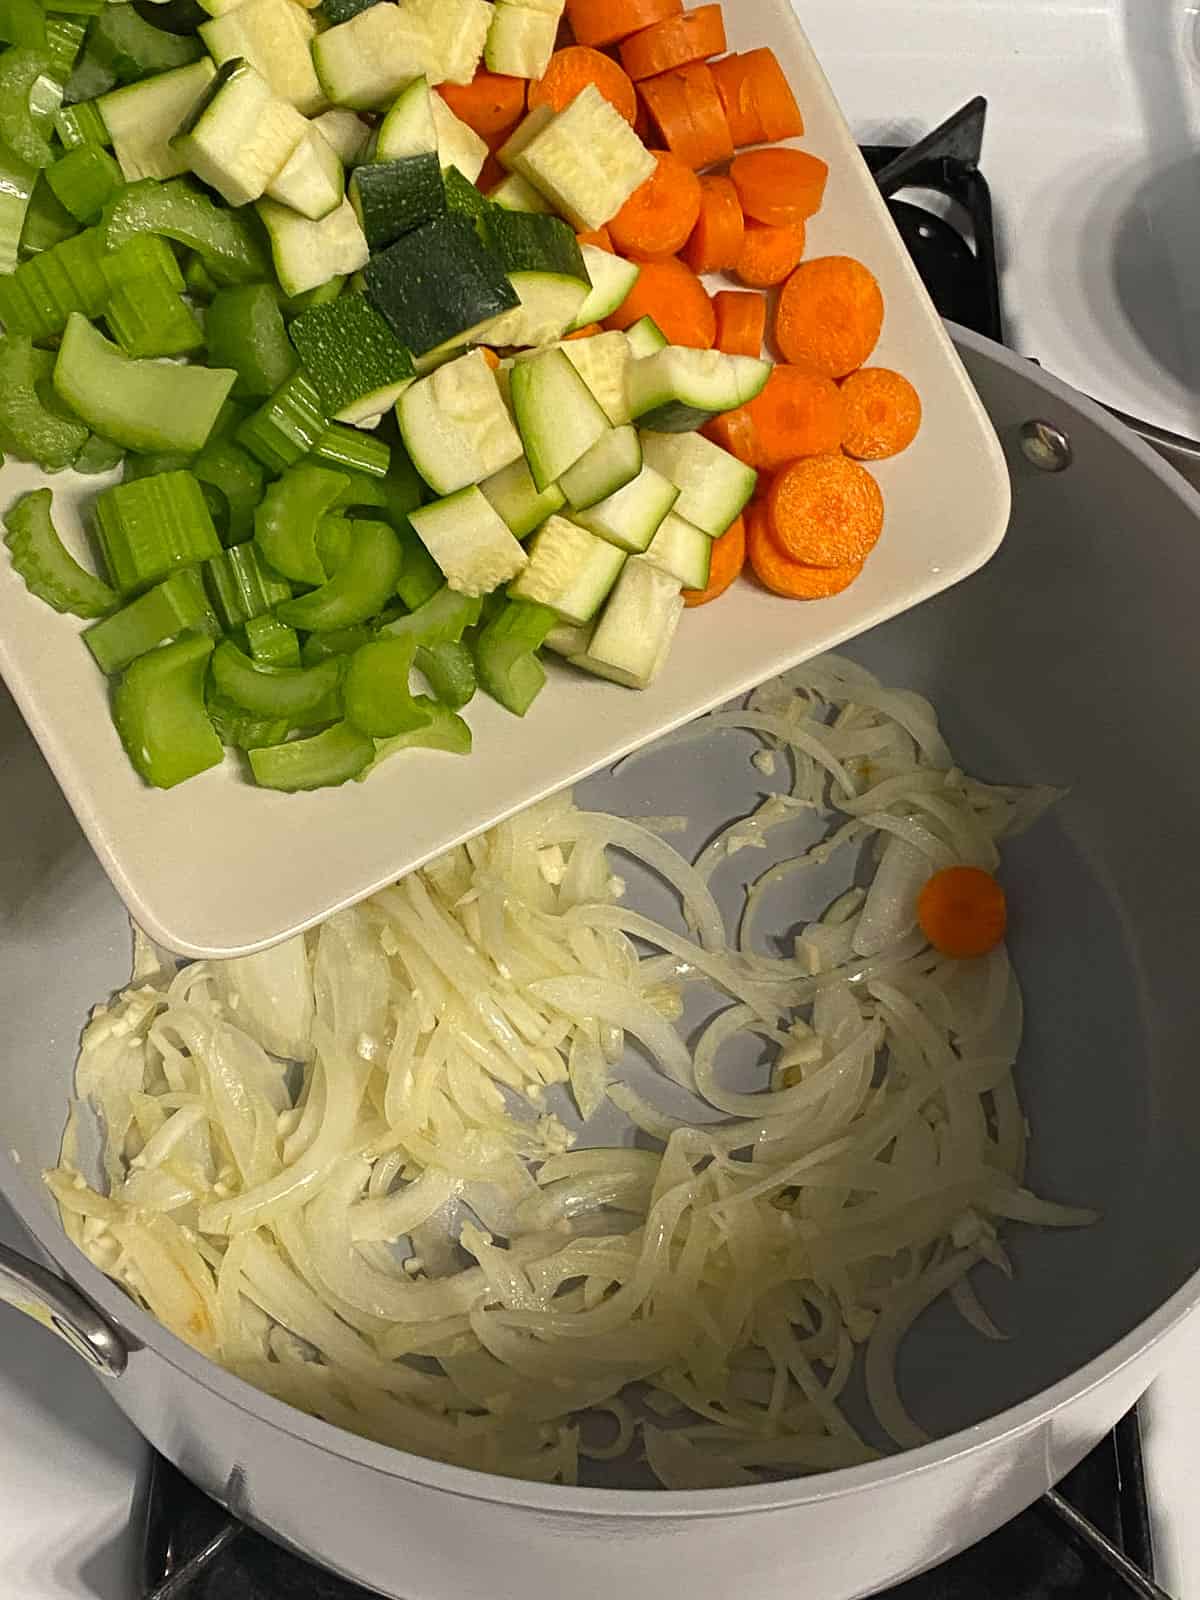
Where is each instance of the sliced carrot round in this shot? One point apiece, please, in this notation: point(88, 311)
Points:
point(798, 414)
point(830, 316)
point(658, 218)
point(695, 36)
point(601, 22)
point(728, 559)
point(758, 100)
point(783, 576)
point(769, 255)
point(671, 293)
point(490, 103)
point(883, 414)
point(963, 912)
point(716, 240)
point(825, 511)
point(686, 108)
point(584, 333)
point(780, 186)
point(572, 69)
point(741, 322)
point(735, 432)
point(599, 237)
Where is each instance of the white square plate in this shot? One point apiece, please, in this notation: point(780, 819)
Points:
point(218, 867)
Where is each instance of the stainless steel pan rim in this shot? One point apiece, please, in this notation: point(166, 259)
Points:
point(139, 1329)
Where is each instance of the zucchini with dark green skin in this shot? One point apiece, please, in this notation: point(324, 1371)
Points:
point(391, 198)
point(438, 284)
point(545, 267)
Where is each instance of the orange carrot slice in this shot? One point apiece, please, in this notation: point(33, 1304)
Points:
point(671, 293)
point(769, 255)
point(490, 103)
point(758, 100)
point(687, 110)
point(741, 322)
point(572, 69)
point(830, 316)
point(584, 333)
point(716, 241)
point(695, 36)
point(883, 414)
point(601, 22)
point(825, 511)
point(963, 912)
point(780, 574)
point(798, 414)
point(734, 431)
point(600, 237)
point(780, 186)
point(728, 559)
point(658, 218)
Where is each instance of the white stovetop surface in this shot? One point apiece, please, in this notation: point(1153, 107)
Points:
point(1093, 126)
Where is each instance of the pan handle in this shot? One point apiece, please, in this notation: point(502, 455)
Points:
point(57, 1305)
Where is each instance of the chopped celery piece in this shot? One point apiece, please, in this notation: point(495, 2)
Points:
point(199, 281)
point(347, 447)
point(506, 654)
point(228, 242)
point(29, 428)
point(334, 538)
point(287, 427)
point(285, 524)
point(358, 590)
point(143, 405)
point(81, 124)
point(445, 730)
point(47, 223)
point(403, 486)
point(149, 466)
point(361, 490)
point(291, 692)
point(151, 318)
point(84, 180)
point(46, 566)
point(151, 526)
point(98, 455)
point(350, 352)
point(443, 619)
point(132, 48)
point(76, 274)
point(244, 330)
point(272, 643)
point(242, 729)
point(421, 578)
point(377, 694)
point(341, 642)
point(237, 479)
point(293, 305)
point(322, 762)
point(89, 79)
point(17, 182)
point(160, 715)
point(242, 586)
point(450, 672)
point(177, 605)
point(23, 22)
point(20, 69)
point(83, 8)
point(64, 41)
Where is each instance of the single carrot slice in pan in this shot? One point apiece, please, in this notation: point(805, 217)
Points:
point(728, 559)
point(659, 217)
point(741, 322)
point(963, 912)
point(572, 69)
point(829, 316)
point(671, 293)
point(695, 36)
point(769, 255)
point(758, 100)
point(716, 241)
point(883, 414)
point(798, 414)
point(687, 110)
point(601, 22)
point(490, 103)
point(779, 573)
point(825, 511)
point(780, 186)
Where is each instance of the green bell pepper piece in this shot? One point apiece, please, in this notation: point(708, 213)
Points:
point(285, 524)
point(358, 590)
point(506, 654)
point(158, 707)
point(20, 69)
point(445, 730)
point(450, 672)
point(376, 693)
point(177, 605)
point(322, 762)
point(46, 566)
point(29, 428)
point(291, 692)
point(244, 329)
point(226, 241)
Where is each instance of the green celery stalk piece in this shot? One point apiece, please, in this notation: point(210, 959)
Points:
point(421, 578)
point(238, 481)
point(98, 455)
point(272, 643)
point(228, 242)
point(149, 527)
point(23, 22)
point(335, 535)
point(81, 124)
point(445, 730)
point(20, 69)
point(17, 182)
point(242, 729)
point(506, 654)
point(177, 605)
point(46, 566)
point(143, 405)
point(47, 223)
point(321, 762)
point(450, 672)
point(242, 586)
point(132, 48)
point(65, 36)
point(244, 330)
point(83, 180)
point(341, 446)
point(29, 428)
point(291, 692)
point(361, 490)
point(442, 619)
point(150, 318)
point(159, 710)
point(287, 427)
point(377, 694)
point(285, 524)
point(200, 283)
point(340, 642)
point(358, 590)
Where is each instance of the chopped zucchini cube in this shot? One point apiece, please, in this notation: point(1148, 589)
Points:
point(438, 284)
point(142, 117)
point(682, 550)
point(633, 515)
point(679, 389)
point(558, 417)
point(569, 570)
point(457, 32)
point(352, 356)
point(408, 128)
point(240, 135)
point(714, 486)
point(275, 37)
point(513, 493)
point(633, 637)
point(308, 254)
point(456, 427)
point(469, 542)
point(545, 266)
point(391, 198)
point(364, 63)
point(310, 180)
point(587, 160)
point(521, 41)
point(604, 362)
point(457, 145)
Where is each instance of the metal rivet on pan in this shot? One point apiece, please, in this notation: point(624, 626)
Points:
point(1046, 447)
